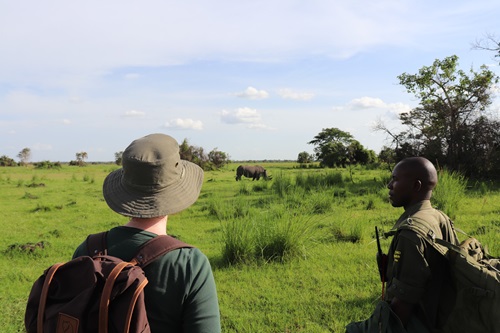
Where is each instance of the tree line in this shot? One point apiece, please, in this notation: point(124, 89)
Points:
point(452, 126)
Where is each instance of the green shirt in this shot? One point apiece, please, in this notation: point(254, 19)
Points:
point(416, 272)
point(181, 295)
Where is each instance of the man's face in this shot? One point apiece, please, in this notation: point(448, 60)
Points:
point(401, 187)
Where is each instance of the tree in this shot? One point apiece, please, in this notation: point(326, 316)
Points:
point(80, 158)
point(334, 147)
point(197, 155)
point(218, 159)
point(451, 103)
point(387, 155)
point(24, 156)
point(304, 158)
point(186, 150)
point(119, 157)
point(489, 43)
point(6, 161)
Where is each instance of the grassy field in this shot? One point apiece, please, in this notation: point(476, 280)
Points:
point(325, 278)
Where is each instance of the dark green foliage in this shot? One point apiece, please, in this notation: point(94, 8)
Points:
point(215, 159)
point(47, 165)
point(451, 126)
point(336, 148)
point(304, 158)
point(7, 161)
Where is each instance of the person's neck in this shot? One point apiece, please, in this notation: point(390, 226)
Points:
point(156, 225)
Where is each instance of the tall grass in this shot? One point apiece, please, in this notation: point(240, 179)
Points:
point(302, 260)
point(449, 192)
point(267, 237)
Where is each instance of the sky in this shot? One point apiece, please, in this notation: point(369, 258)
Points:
point(254, 79)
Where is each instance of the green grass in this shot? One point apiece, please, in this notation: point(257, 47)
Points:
point(306, 238)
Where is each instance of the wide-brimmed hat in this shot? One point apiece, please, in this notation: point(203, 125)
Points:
point(153, 180)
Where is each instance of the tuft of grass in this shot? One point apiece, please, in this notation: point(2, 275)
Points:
point(284, 239)
point(41, 208)
point(449, 192)
point(238, 241)
point(243, 189)
point(318, 203)
point(281, 185)
point(28, 195)
point(279, 236)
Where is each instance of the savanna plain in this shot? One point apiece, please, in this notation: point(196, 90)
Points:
point(292, 254)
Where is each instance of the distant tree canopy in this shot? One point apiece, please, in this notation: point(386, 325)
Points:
point(119, 157)
point(80, 159)
point(24, 156)
point(7, 161)
point(336, 148)
point(213, 160)
point(451, 125)
point(304, 158)
point(218, 158)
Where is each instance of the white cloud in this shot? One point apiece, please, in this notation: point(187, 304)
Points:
point(183, 124)
point(364, 103)
point(299, 96)
point(253, 93)
point(134, 114)
point(66, 121)
point(194, 30)
point(241, 115)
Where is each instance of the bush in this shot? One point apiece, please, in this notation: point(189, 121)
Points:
point(281, 185)
point(47, 165)
point(7, 161)
point(267, 237)
point(238, 241)
point(449, 191)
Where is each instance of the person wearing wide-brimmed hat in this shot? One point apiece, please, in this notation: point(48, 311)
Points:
point(152, 184)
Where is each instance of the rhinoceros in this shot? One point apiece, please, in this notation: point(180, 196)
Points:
point(251, 171)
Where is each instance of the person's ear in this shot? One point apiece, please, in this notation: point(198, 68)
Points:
point(417, 185)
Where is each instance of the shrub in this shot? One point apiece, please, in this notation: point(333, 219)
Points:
point(238, 241)
point(449, 191)
point(283, 239)
point(47, 165)
point(281, 185)
point(279, 236)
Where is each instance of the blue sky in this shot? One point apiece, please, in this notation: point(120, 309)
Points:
point(255, 79)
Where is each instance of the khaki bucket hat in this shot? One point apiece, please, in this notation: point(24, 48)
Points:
point(153, 180)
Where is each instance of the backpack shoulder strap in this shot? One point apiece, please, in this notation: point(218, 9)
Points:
point(157, 247)
point(96, 244)
point(425, 230)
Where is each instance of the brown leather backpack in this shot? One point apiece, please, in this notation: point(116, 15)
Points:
point(95, 293)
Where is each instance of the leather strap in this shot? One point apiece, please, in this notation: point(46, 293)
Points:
point(43, 297)
point(130, 311)
point(157, 247)
point(106, 295)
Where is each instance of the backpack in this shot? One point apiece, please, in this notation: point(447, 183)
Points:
point(476, 278)
point(97, 293)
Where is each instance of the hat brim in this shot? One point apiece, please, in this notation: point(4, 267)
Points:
point(169, 200)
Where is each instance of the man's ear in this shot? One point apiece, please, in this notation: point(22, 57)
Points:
point(417, 185)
